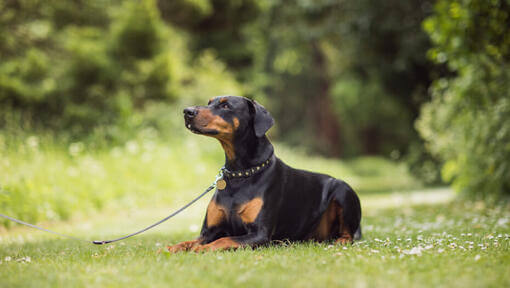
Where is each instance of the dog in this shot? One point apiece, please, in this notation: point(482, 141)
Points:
point(260, 199)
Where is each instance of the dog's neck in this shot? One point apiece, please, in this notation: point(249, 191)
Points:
point(249, 151)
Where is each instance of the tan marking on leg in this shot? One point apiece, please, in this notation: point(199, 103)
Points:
point(220, 244)
point(215, 214)
point(183, 246)
point(324, 229)
point(345, 235)
point(250, 210)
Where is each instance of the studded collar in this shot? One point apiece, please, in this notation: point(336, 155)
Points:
point(248, 172)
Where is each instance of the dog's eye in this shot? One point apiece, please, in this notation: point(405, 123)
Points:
point(224, 105)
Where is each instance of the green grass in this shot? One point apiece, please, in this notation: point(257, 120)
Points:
point(445, 243)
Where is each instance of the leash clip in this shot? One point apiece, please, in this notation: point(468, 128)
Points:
point(220, 183)
point(219, 176)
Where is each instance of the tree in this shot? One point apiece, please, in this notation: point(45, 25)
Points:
point(467, 123)
point(77, 65)
point(344, 77)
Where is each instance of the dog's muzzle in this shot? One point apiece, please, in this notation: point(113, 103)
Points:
point(189, 115)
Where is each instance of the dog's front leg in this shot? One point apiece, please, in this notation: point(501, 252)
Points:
point(252, 239)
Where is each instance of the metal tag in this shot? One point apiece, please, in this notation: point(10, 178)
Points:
point(221, 184)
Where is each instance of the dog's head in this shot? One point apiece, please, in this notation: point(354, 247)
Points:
point(225, 117)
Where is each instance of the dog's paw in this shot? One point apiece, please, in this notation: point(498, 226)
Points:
point(344, 240)
point(183, 246)
point(203, 248)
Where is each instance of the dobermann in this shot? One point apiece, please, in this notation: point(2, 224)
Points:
point(260, 198)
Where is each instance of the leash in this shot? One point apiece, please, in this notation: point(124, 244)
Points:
point(101, 242)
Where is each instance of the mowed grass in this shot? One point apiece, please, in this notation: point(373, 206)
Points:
point(443, 243)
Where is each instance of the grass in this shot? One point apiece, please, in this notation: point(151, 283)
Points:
point(445, 243)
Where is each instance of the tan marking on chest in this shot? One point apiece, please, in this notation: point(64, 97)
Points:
point(215, 214)
point(250, 210)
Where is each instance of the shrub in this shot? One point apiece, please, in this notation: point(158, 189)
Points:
point(77, 76)
point(467, 123)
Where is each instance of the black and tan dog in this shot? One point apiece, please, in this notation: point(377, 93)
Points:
point(260, 198)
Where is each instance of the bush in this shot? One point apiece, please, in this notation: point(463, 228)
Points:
point(78, 76)
point(467, 123)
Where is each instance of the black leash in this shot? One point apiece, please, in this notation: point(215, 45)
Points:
point(101, 242)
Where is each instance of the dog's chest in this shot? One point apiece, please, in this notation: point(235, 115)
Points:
point(238, 208)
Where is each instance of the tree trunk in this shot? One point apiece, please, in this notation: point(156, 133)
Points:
point(326, 124)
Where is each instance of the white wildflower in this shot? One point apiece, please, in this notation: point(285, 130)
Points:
point(414, 251)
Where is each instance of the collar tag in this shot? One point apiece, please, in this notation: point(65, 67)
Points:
point(221, 184)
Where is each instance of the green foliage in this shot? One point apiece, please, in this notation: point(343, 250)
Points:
point(356, 66)
point(78, 75)
point(467, 123)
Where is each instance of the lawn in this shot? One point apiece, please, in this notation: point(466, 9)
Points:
point(418, 238)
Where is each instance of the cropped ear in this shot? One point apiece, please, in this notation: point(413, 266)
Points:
point(262, 120)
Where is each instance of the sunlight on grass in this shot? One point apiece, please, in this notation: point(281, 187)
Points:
point(406, 199)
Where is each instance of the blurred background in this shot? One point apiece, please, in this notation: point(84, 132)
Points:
point(388, 95)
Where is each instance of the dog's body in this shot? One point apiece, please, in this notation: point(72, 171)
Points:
point(264, 199)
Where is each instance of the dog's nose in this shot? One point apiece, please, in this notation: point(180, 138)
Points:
point(190, 112)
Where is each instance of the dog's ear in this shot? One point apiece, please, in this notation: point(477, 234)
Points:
point(262, 120)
